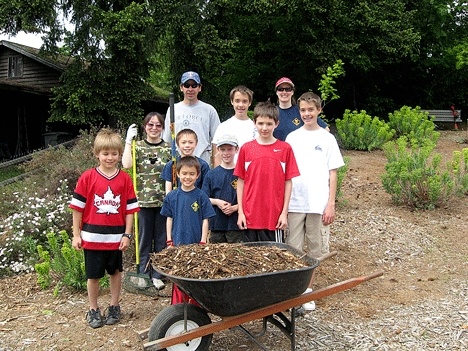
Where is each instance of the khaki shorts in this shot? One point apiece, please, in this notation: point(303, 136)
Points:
point(307, 233)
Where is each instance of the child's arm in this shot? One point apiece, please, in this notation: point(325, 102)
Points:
point(168, 187)
point(241, 220)
point(169, 231)
point(283, 218)
point(125, 242)
point(220, 203)
point(77, 218)
point(205, 227)
point(329, 213)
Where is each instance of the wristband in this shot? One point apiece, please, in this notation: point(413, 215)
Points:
point(129, 236)
point(169, 243)
point(202, 243)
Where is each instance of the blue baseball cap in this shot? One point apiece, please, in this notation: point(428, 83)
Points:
point(190, 75)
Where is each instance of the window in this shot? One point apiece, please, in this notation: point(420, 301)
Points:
point(15, 66)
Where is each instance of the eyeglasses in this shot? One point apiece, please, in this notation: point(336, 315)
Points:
point(285, 89)
point(151, 126)
point(194, 85)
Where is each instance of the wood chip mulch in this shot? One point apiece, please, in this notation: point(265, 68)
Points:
point(216, 261)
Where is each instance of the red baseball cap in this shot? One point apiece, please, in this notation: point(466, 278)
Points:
point(284, 80)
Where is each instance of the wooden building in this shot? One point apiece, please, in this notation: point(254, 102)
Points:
point(26, 79)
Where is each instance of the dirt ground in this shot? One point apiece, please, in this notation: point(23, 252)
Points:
point(367, 234)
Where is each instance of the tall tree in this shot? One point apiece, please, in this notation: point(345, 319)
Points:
point(111, 46)
point(395, 52)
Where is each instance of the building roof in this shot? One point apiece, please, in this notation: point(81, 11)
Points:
point(58, 63)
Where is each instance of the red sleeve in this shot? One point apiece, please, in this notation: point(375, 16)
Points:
point(239, 171)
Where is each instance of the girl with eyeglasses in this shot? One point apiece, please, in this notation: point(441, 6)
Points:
point(151, 154)
point(289, 116)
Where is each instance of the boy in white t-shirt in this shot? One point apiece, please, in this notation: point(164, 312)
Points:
point(312, 204)
point(239, 125)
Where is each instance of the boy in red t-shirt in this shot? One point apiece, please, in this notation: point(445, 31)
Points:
point(103, 205)
point(265, 167)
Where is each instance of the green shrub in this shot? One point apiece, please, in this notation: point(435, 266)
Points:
point(413, 174)
point(359, 131)
point(413, 123)
point(341, 174)
point(61, 163)
point(61, 264)
point(458, 168)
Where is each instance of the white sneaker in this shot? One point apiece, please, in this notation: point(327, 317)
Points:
point(158, 284)
point(308, 306)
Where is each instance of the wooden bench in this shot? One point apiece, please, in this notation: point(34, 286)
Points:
point(444, 115)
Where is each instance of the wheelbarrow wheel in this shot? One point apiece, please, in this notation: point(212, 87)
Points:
point(170, 321)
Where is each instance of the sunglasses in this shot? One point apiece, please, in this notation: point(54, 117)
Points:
point(151, 126)
point(194, 85)
point(285, 89)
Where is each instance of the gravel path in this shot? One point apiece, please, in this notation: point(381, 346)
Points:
point(431, 325)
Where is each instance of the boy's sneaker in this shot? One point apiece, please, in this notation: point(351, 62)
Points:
point(308, 306)
point(113, 315)
point(158, 283)
point(94, 318)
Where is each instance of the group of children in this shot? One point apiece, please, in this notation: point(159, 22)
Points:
point(259, 187)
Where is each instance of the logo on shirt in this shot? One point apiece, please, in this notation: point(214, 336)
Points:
point(107, 204)
point(234, 183)
point(318, 148)
point(195, 206)
point(296, 121)
point(276, 150)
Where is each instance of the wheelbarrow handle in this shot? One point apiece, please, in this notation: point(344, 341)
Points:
point(327, 256)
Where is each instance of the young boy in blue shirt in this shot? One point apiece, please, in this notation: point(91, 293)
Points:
point(187, 209)
point(220, 185)
point(186, 141)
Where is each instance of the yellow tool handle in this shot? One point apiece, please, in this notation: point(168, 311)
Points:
point(135, 215)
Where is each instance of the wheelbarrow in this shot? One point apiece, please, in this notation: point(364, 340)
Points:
point(238, 300)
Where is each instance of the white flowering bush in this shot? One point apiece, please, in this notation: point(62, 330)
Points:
point(22, 231)
point(39, 204)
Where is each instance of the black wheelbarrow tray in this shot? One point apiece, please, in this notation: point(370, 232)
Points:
point(237, 300)
point(231, 296)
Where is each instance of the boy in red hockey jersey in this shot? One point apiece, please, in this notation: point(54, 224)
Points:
point(103, 205)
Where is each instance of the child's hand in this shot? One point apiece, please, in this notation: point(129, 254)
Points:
point(282, 222)
point(76, 242)
point(242, 221)
point(229, 209)
point(222, 205)
point(124, 243)
point(328, 215)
